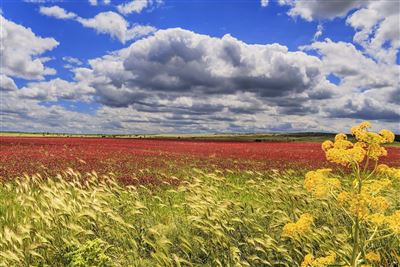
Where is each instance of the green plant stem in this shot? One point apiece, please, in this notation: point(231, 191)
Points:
point(356, 235)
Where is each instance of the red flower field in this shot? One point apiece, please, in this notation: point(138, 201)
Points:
point(148, 160)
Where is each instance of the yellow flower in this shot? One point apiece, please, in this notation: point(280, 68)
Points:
point(325, 261)
point(326, 145)
point(374, 187)
point(387, 171)
point(375, 151)
point(319, 184)
point(343, 197)
point(393, 222)
point(308, 260)
point(373, 256)
point(340, 136)
point(377, 219)
point(302, 226)
point(379, 204)
point(387, 135)
point(359, 205)
point(342, 144)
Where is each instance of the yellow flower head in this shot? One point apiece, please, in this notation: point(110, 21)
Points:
point(308, 260)
point(387, 135)
point(343, 197)
point(340, 136)
point(373, 256)
point(379, 204)
point(327, 145)
point(377, 219)
point(319, 184)
point(302, 226)
point(375, 151)
point(393, 222)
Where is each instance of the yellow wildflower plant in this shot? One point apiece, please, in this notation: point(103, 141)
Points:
point(373, 256)
point(302, 226)
point(387, 135)
point(393, 222)
point(361, 197)
point(319, 184)
point(310, 261)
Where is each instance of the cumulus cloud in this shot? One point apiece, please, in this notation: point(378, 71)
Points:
point(6, 83)
point(57, 12)
point(177, 61)
point(321, 9)
point(21, 50)
point(137, 6)
point(378, 29)
point(108, 22)
point(367, 87)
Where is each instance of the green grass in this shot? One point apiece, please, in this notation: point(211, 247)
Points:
point(211, 219)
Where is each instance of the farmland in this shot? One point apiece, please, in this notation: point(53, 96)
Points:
point(165, 202)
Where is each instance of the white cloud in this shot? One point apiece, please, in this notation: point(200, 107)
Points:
point(264, 3)
point(72, 60)
point(133, 6)
point(113, 24)
point(105, 22)
point(377, 25)
point(57, 12)
point(321, 9)
point(137, 6)
point(7, 84)
point(319, 31)
point(20, 49)
point(93, 2)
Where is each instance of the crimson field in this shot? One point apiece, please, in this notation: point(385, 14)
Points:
point(152, 161)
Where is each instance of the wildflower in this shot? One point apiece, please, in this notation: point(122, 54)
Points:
point(374, 187)
point(340, 136)
point(343, 197)
point(308, 260)
point(318, 182)
point(375, 151)
point(326, 145)
point(393, 222)
point(377, 218)
point(358, 205)
point(325, 261)
point(387, 135)
point(379, 204)
point(300, 227)
point(373, 256)
point(385, 170)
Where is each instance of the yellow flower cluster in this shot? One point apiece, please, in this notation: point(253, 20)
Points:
point(368, 144)
point(310, 261)
point(303, 225)
point(361, 205)
point(343, 151)
point(374, 187)
point(387, 171)
point(319, 184)
point(363, 135)
point(373, 256)
point(392, 221)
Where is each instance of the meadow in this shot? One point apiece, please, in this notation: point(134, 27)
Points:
point(141, 202)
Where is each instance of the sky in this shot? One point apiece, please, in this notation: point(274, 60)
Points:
point(186, 66)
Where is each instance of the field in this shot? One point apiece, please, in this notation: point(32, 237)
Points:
point(86, 201)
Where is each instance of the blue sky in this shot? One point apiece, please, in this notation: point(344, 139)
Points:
point(159, 66)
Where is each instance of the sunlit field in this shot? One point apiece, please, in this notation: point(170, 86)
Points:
point(108, 202)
